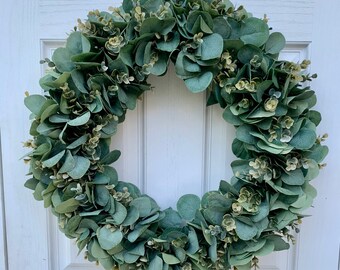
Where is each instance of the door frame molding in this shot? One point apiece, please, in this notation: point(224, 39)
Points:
point(3, 231)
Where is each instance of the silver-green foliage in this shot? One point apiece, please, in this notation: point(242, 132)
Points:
point(216, 48)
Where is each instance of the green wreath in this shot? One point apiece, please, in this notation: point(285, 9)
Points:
point(216, 48)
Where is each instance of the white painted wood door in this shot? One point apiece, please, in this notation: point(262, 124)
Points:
point(171, 144)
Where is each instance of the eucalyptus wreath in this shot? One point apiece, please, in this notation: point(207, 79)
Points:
point(102, 72)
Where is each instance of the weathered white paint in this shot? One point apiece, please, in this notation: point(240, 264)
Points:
point(168, 150)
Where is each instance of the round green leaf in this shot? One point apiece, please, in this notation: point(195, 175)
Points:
point(275, 44)
point(77, 43)
point(80, 168)
point(109, 239)
point(53, 160)
point(294, 178)
point(80, 120)
point(101, 195)
point(132, 216)
point(187, 206)
point(248, 52)
point(120, 213)
point(67, 206)
point(62, 60)
point(170, 259)
point(199, 83)
point(222, 27)
point(254, 31)
point(96, 250)
point(154, 25)
point(170, 44)
point(143, 205)
point(199, 21)
point(156, 263)
point(211, 47)
point(172, 219)
point(34, 103)
point(245, 231)
point(111, 157)
point(304, 139)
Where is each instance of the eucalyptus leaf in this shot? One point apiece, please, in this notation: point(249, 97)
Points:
point(31, 183)
point(199, 21)
point(108, 239)
point(279, 243)
point(254, 31)
point(226, 187)
point(190, 65)
point(132, 216)
point(154, 25)
point(50, 110)
point(248, 52)
point(110, 174)
point(170, 259)
point(101, 194)
point(68, 164)
point(169, 45)
point(53, 160)
point(96, 250)
point(240, 149)
point(127, 5)
point(34, 103)
point(275, 43)
point(229, 117)
point(312, 171)
point(67, 206)
point(304, 139)
point(150, 219)
point(120, 214)
point(125, 54)
point(79, 81)
point(284, 218)
point(143, 205)
point(93, 213)
point(38, 191)
point(266, 249)
point(213, 216)
point(80, 141)
point(245, 231)
point(62, 59)
point(294, 178)
point(160, 67)
point(317, 152)
point(172, 219)
point(213, 250)
point(80, 120)
point(187, 206)
point(262, 213)
point(156, 263)
point(80, 168)
point(138, 231)
point(211, 47)
point(243, 133)
point(193, 242)
point(77, 43)
point(222, 27)
point(199, 83)
point(111, 157)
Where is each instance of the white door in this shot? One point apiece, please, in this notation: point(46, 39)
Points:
point(164, 153)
